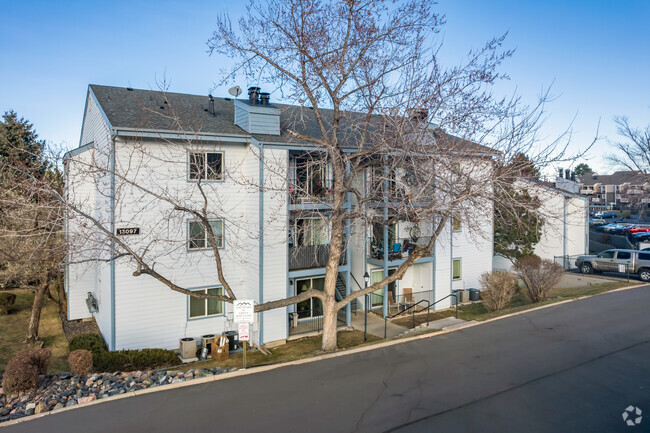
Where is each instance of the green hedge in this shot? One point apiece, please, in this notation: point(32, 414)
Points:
point(7, 300)
point(122, 360)
point(91, 342)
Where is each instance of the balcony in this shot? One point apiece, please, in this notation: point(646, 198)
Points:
point(586, 191)
point(400, 249)
point(315, 195)
point(311, 256)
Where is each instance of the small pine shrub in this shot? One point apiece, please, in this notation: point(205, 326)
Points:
point(81, 362)
point(92, 342)
point(23, 369)
point(7, 300)
point(127, 360)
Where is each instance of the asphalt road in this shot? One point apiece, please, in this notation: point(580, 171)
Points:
point(571, 367)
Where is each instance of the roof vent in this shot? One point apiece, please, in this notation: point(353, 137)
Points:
point(254, 95)
point(130, 89)
point(265, 98)
point(211, 104)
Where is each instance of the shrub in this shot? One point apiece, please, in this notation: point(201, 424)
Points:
point(122, 360)
point(127, 360)
point(539, 275)
point(92, 342)
point(498, 288)
point(23, 369)
point(7, 300)
point(81, 362)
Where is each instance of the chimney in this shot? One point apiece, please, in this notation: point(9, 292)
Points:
point(211, 105)
point(573, 176)
point(567, 174)
point(265, 98)
point(254, 95)
point(560, 172)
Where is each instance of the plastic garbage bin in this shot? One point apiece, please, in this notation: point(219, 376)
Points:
point(233, 340)
point(457, 298)
point(474, 294)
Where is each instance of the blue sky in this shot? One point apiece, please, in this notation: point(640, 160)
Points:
point(595, 53)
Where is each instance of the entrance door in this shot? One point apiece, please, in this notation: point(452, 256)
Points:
point(377, 297)
point(312, 307)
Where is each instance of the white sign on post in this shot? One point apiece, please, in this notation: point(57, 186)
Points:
point(621, 269)
point(244, 311)
point(244, 332)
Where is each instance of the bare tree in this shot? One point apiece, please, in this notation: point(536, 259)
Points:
point(633, 152)
point(397, 137)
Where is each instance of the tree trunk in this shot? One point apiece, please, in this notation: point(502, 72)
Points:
point(329, 326)
point(63, 301)
point(35, 319)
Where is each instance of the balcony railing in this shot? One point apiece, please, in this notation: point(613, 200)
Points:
point(307, 321)
point(311, 256)
point(399, 250)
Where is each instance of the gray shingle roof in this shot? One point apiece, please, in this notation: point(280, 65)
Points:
point(179, 112)
point(617, 178)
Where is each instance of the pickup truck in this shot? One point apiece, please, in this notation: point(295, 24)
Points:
point(633, 261)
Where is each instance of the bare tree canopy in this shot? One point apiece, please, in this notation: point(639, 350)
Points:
point(383, 132)
point(633, 152)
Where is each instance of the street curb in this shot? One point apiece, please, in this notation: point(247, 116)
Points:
point(264, 368)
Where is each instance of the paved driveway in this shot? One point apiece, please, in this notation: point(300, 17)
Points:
point(570, 367)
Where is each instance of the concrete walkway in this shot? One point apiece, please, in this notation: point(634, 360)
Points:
point(571, 281)
point(376, 325)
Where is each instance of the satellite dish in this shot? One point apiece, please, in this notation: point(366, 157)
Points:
point(235, 91)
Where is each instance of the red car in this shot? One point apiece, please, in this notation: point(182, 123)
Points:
point(637, 230)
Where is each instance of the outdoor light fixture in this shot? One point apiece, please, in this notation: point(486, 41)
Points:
point(366, 278)
point(91, 302)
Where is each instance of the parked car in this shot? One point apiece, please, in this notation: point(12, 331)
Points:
point(637, 230)
point(605, 227)
point(634, 261)
point(620, 229)
point(607, 215)
point(598, 222)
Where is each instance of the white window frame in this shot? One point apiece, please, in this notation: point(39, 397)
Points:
point(204, 176)
point(205, 304)
point(205, 234)
point(460, 276)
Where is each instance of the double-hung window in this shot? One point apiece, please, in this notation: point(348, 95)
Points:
point(206, 307)
point(206, 166)
point(456, 222)
point(198, 236)
point(456, 269)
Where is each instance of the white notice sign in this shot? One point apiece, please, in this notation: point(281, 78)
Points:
point(621, 268)
point(243, 311)
point(244, 331)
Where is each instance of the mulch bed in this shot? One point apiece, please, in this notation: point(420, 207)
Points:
point(72, 328)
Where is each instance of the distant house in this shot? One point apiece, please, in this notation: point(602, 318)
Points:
point(566, 221)
point(622, 190)
point(270, 244)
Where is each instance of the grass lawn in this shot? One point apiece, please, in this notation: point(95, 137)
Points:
point(518, 303)
point(293, 350)
point(13, 328)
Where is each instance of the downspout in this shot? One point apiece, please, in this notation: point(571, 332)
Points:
point(348, 308)
point(112, 204)
point(386, 241)
point(564, 229)
point(288, 229)
point(261, 241)
point(451, 262)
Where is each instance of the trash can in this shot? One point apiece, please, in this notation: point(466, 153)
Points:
point(233, 340)
point(455, 299)
point(474, 294)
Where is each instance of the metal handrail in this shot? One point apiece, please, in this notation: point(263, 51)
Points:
point(429, 305)
point(355, 280)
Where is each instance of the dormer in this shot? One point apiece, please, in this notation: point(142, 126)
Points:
point(256, 115)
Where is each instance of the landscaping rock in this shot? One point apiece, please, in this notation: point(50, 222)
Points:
point(41, 407)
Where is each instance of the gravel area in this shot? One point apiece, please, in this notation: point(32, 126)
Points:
point(72, 328)
point(64, 390)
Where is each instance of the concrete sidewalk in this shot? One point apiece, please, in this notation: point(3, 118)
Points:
point(376, 325)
